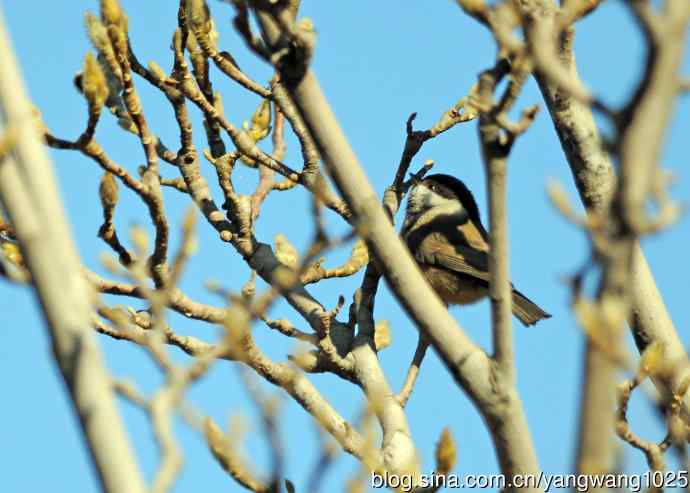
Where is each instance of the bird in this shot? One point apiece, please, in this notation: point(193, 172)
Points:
point(444, 233)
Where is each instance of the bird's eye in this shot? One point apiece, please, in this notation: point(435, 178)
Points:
point(432, 187)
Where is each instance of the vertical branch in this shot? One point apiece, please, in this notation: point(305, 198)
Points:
point(29, 194)
point(595, 179)
point(628, 286)
point(497, 135)
point(595, 445)
point(495, 154)
point(499, 285)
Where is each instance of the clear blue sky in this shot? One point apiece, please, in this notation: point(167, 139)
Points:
point(378, 62)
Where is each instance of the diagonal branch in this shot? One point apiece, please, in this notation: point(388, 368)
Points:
point(469, 365)
point(29, 194)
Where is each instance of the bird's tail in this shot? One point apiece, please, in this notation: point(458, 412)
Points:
point(528, 312)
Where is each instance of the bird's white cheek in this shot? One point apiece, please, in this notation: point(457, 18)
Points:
point(432, 199)
point(417, 198)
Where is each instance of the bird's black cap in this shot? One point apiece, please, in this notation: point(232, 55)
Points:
point(449, 186)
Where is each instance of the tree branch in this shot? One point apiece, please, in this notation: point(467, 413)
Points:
point(644, 121)
point(469, 365)
point(29, 194)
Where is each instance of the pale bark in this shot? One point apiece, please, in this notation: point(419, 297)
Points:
point(595, 179)
point(495, 163)
point(29, 195)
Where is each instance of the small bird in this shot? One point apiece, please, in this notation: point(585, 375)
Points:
point(443, 231)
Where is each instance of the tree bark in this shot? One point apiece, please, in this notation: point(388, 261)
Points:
point(29, 195)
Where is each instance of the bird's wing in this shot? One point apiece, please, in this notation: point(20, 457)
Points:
point(463, 260)
point(457, 247)
point(471, 235)
point(468, 253)
point(460, 258)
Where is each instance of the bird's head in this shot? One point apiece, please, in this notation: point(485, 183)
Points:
point(444, 192)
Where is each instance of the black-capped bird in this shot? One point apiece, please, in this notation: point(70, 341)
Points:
point(443, 231)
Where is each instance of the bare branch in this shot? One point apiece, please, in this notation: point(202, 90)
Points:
point(469, 365)
point(413, 371)
point(29, 195)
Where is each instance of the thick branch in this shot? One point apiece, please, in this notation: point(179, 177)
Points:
point(595, 179)
point(29, 194)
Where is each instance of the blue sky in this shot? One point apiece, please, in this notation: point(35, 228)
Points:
point(377, 62)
